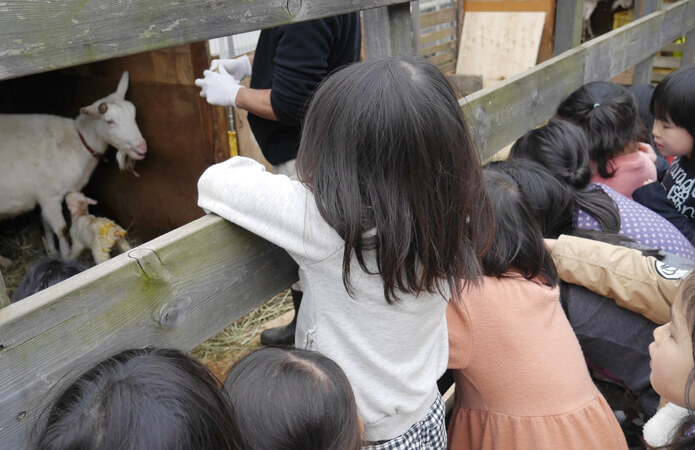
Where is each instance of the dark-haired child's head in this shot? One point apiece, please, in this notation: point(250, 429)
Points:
point(385, 148)
point(519, 245)
point(673, 107)
point(608, 114)
point(291, 398)
point(47, 272)
point(141, 399)
point(549, 199)
point(559, 146)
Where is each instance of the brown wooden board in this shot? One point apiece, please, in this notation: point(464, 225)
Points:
point(498, 45)
point(547, 6)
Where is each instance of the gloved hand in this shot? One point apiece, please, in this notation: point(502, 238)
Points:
point(237, 67)
point(219, 88)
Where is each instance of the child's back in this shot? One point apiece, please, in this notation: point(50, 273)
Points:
point(389, 214)
point(521, 378)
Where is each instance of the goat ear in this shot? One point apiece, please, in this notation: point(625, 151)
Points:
point(122, 86)
point(91, 110)
point(90, 201)
point(74, 208)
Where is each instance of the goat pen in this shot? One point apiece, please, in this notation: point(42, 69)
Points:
point(184, 286)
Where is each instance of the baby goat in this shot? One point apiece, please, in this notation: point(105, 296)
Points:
point(96, 233)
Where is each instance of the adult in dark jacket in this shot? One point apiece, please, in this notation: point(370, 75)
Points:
point(289, 63)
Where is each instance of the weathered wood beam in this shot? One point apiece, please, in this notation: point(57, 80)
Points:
point(643, 69)
point(498, 115)
point(175, 291)
point(388, 31)
point(689, 48)
point(568, 25)
point(41, 35)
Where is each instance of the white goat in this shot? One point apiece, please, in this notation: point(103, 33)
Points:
point(96, 233)
point(43, 157)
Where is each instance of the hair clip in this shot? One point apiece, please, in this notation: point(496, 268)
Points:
point(596, 105)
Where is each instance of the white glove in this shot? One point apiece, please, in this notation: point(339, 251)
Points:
point(237, 67)
point(219, 88)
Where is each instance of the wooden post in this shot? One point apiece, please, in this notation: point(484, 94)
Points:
point(643, 70)
point(387, 31)
point(569, 21)
point(688, 49)
point(415, 16)
point(4, 298)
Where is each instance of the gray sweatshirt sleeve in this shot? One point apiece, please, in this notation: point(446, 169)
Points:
point(274, 207)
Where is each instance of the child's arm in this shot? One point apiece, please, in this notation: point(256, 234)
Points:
point(653, 196)
point(460, 332)
point(636, 282)
point(272, 206)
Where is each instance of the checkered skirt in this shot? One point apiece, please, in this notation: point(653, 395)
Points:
point(427, 434)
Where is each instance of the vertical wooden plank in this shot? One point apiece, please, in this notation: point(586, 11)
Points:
point(568, 25)
point(4, 298)
point(387, 31)
point(689, 49)
point(643, 70)
point(415, 17)
point(377, 39)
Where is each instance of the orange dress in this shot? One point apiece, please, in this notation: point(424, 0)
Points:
point(521, 379)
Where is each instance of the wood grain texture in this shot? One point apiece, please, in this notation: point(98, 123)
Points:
point(547, 6)
point(175, 291)
point(568, 25)
point(388, 31)
point(498, 45)
point(43, 35)
point(499, 115)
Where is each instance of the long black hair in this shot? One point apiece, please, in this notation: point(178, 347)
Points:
point(561, 147)
point(292, 399)
point(141, 399)
point(387, 153)
point(608, 114)
point(674, 98)
point(519, 241)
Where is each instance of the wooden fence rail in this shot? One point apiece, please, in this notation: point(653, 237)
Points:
point(183, 287)
point(174, 291)
point(502, 113)
point(41, 35)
